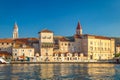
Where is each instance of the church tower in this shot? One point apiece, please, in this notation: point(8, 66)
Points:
point(79, 29)
point(15, 31)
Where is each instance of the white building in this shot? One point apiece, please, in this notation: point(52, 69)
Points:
point(22, 52)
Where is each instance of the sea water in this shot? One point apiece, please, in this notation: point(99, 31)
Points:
point(64, 71)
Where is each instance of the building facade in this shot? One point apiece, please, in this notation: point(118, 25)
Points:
point(22, 52)
point(60, 48)
point(46, 44)
point(6, 45)
point(98, 47)
point(93, 46)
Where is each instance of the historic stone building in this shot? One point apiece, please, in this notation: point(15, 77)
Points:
point(59, 48)
point(93, 46)
point(46, 44)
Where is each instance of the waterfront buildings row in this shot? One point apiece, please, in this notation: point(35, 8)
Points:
point(49, 47)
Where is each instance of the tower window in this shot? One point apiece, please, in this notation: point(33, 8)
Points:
point(49, 37)
point(44, 37)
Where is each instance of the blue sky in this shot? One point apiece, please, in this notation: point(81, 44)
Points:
point(98, 17)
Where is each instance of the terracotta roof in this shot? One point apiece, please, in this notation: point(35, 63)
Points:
point(46, 31)
point(6, 40)
point(64, 39)
point(22, 46)
point(98, 37)
point(4, 53)
point(79, 26)
point(21, 41)
point(33, 39)
point(61, 38)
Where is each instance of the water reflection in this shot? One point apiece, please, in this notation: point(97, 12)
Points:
point(60, 71)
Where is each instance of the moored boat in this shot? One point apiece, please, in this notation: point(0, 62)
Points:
point(2, 61)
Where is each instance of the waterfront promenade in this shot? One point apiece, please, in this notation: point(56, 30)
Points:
point(60, 62)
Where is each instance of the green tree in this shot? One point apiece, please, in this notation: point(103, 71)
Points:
point(117, 55)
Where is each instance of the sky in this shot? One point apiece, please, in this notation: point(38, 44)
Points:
point(97, 17)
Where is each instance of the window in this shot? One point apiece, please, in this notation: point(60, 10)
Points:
point(22, 50)
point(65, 44)
point(91, 42)
point(69, 44)
point(12, 43)
point(91, 48)
point(101, 48)
point(68, 55)
point(44, 37)
point(105, 49)
point(15, 54)
point(95, 48)
point(98, 48)
point(30, 50)
point(49, 37)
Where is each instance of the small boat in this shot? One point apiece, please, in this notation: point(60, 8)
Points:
point(2, 61)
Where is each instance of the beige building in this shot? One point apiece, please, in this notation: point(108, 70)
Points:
point(6, 45)
point(118, 49)
point(98, 47)
point(46, 44)
point(59, 48)
point(65, 45)
point(93, 46)
point(21, 52)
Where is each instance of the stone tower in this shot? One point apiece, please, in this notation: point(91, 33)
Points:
point(46, 44)
point(79, 29)
point(15, 31)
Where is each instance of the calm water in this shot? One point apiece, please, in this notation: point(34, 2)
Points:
point(60, 71)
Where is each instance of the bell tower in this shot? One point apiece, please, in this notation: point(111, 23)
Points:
point(15, 31)
point(79, 29)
